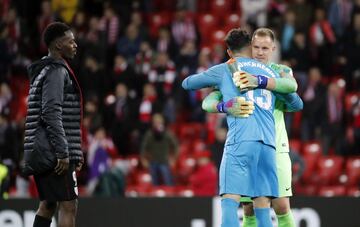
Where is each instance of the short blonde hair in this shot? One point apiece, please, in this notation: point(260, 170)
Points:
point(263, 32)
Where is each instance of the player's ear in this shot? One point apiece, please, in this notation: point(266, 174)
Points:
point(58, 45)
point(229, 52)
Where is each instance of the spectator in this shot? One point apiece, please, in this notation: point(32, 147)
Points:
point(109, 24)
point(303, 13)
point(287, 32)
point(313, 113)
point(46, 17)
point(125, 73)
point(144, 59)
point(350, 56)
point(95, 40)
point(101, 149)
point(159, 150)
point(120, 119)
point(255, 12)
point(183, 28)
point(7, 53)
point(340, 15)
point(332, 129)
point(92, 115)
point(299, 58)
point(165, 43)
point(92, 78)
point(129, 45)
point(204, 180)
point(163, 75)
point(137, 20)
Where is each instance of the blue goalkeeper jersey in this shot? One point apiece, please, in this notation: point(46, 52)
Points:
point(259, 126)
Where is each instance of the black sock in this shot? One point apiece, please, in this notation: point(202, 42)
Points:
point(41, 222)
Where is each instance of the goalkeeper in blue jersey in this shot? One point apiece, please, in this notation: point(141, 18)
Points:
point(248, 164)
point(262, 46)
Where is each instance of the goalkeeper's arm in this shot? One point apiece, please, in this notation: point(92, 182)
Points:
point(237, 106)
point(211, 101)
point(293, 102)
point(285, 84)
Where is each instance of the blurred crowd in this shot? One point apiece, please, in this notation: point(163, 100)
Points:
point(139, 124)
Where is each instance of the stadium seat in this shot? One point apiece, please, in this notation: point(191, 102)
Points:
point(191, 131)
point(219, 8)
point(136, 191)
point(352, 171)
point(232, 20)
point(350, 99)
point(184, 191)
point(185, 166)
point(312, 148)
point(329, 169)
point(353, 191)
point(207, 24)
point(202, 6)
point(331, 191)
point(311, 154)
point(143, 178)
point(162, 191)
point(198, 145)
point(295, 145)
point(218, 37)
point(306, 190)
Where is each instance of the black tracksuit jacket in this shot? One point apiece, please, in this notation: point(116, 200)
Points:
point(53, 121)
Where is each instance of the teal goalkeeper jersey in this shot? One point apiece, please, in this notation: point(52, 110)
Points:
point(258, 126)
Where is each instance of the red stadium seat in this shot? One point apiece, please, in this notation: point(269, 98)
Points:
point(312, 148)
point(198, 145)
point(185, 166)
point(311, 155)
point(295, 145)
point(207, 24)
point(184, 191)
point(162, 191)
point(202, 6)
point(307, 190)
point(232, 21)
point(218, 37)
point(331, 191)
point(352, 171)
point(191, 131)
point(353, 191)
point(137, 191)
point(219, 8)
point(329, 169)
point(143, 178)
point(310, 167)
point(350, 99)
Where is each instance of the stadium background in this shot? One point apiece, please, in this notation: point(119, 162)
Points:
point(132, 57)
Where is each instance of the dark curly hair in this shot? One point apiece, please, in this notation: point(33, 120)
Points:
point(236, 39)
point(53, 31)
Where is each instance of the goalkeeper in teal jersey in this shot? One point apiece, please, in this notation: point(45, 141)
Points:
point(262, 48)
point(248, 166)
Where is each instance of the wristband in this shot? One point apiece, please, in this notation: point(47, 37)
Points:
point(221, 107)
point(262, 81)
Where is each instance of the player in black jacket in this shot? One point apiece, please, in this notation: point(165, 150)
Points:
point(52, 146)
